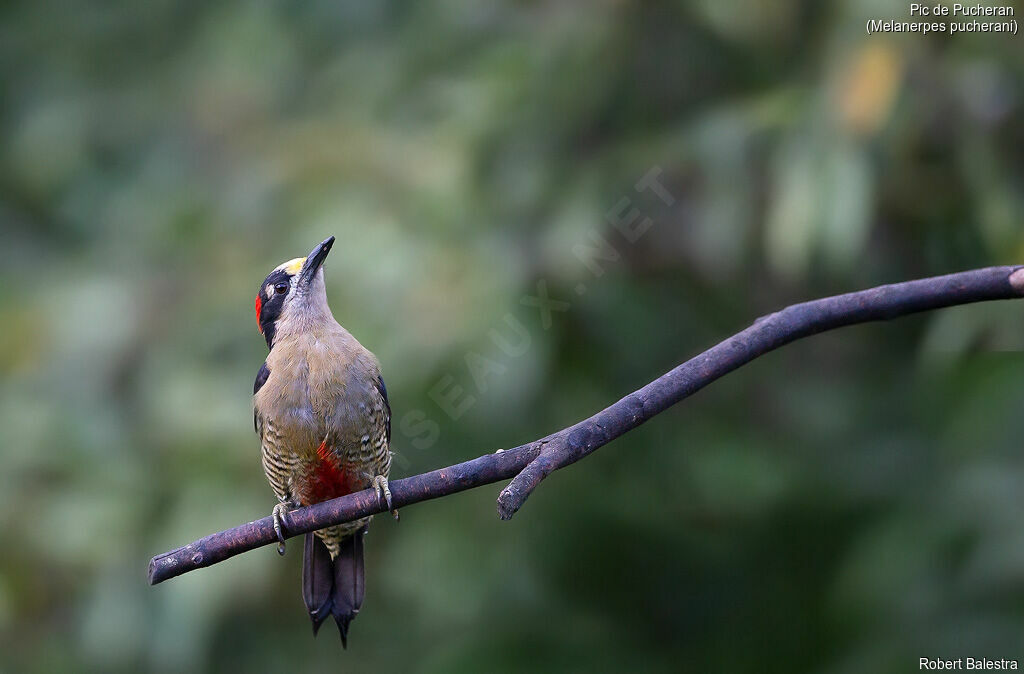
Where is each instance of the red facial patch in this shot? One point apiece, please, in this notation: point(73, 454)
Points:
point(259, 309)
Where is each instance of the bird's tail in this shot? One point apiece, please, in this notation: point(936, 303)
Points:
point(333, 587)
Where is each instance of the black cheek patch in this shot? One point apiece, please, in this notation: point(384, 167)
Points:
point(268, 333)
point(269, 309)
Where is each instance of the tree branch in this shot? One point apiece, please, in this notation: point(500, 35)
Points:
point(529, 464)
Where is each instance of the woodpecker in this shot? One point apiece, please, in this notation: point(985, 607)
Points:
point(321, 411)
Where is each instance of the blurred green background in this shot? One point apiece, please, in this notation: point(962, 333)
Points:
point(849, 504)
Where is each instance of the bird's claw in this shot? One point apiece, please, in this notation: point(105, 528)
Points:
point(380, 484)
point(280, 510)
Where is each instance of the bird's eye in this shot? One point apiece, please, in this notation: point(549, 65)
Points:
point(281, 288)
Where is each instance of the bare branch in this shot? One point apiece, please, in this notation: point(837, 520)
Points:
point(529, 464)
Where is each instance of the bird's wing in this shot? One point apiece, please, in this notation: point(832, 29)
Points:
point(378, 450)
point(279, 462)
point(359, 427)
point(379, 384)
point(261, 379)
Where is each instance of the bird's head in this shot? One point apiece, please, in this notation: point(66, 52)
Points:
point(293, 296)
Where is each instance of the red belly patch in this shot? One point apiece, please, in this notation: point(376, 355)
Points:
point(327, 479)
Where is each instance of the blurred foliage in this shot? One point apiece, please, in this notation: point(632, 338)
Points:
point(849, 504)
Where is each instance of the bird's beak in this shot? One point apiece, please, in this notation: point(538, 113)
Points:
point(314, 260)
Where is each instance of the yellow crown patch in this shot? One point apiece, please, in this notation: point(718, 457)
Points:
point(292, 266)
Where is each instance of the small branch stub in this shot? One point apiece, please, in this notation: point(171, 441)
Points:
point(1017, 281)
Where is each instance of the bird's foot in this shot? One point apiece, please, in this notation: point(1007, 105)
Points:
point(380, 484)
point(280, 510)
